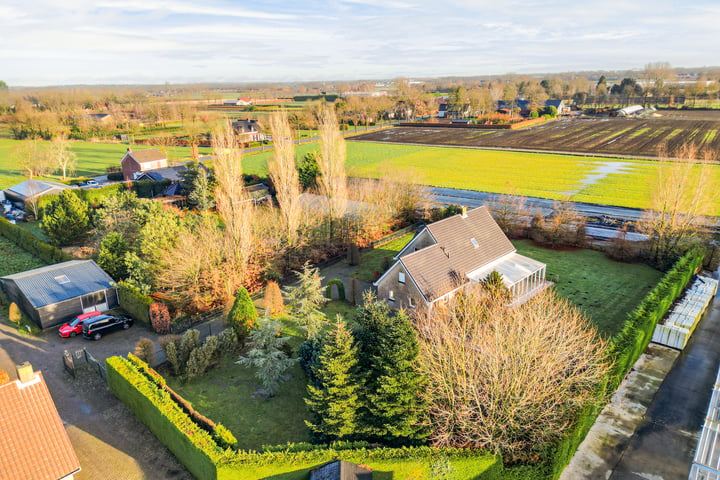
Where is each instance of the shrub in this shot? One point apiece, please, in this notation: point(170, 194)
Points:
point(4, 377)
point(274, 304)
point(243, 315)
point(159, 317)
point(190, 341)
point(171, 353)
point(14, 314)
point(134, 302)
point(227, 341)
point(111, 256)
point(66, 219)
point(3, 298)
point(145, 351)
point(201, 357)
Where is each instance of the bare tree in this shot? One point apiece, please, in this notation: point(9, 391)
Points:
point(233, 203)
point(331, 163)
point(64, 158)
point(511, 212)
point(285, 176)
point(508, 379)
point(682, 195)
point(33, 156)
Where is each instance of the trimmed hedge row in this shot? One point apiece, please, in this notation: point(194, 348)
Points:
point(32, 244)
point(627, 345)
point(190, 444)
point(144, 392)
point(134, 302)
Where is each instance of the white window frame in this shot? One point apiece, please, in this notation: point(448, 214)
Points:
point(391, 296)
point(401, 277)
point(410, 302)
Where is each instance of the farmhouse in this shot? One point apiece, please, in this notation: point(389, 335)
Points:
point(450, 254)
point(134, 163)
point(30, 190)
point(562, 109)
point(51, 295)
point(34, 443)
point(240, 101)
point(248, 130)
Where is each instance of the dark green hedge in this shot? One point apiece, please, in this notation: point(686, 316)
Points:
point(145, 393)
point(626, 347)
point(32, 244)
point(340, 288)
point(134, 302)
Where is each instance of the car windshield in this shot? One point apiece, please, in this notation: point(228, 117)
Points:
point(75, 322)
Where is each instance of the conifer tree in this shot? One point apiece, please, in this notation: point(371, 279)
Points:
point(335, 403)
point(306, 298)
point(393, 410)
point(66, 219)
point(243, 314)
point(267, 355)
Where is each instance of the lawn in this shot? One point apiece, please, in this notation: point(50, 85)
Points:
point(606, 290)
point(226, 394)
point(92, 159)
point(371, 261)
point(14, 259)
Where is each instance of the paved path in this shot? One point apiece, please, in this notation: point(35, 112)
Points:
point(664, 445)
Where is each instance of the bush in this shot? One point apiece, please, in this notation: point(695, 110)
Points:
point(14, 313)
point(201, 357)
point(32, 244)
point(145, 351)
point(4, 377)
point(66, 219)
point(190, 341)
point(134, 302)
point(227, 341)
point(159, 317)
point(274, 304)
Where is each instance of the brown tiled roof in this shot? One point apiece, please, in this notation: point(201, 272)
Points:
point(33, 440)
point(147, 155)
point(437, 269)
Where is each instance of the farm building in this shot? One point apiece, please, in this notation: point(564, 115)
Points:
point(452, 253)
point(341, 470)
point(559, 105)
point(34, 441)
point(631, 110)
point(134, 163)
point(160, 174)
point(53, 294)
point(240, 101)
point(30, 190)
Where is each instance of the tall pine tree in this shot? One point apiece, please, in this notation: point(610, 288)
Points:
point(335, 403)
point(393, 409)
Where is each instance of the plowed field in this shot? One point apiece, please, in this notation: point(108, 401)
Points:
point(611, 136)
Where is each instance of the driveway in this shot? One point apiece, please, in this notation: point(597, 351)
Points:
point(663, 447)
point(108, 440)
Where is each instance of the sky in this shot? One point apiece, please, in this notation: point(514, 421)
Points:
point(46, 42)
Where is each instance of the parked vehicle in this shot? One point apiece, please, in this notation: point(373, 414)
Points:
point(74, 327)
point(91, 183)
point(94, 328)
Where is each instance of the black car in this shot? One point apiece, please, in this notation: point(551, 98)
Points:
point(94, 328)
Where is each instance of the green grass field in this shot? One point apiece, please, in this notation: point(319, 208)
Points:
point(371, 261)
point(92, 159)
point(542, 175)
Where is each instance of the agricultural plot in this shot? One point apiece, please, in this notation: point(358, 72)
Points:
point(625, 183)
point(610, 136)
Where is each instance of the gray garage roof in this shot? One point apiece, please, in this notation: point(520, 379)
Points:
point(35, 188)
point(62, 281)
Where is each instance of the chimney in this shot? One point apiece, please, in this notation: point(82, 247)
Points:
point(463, 211)
point(25, 372)
point(129, 150)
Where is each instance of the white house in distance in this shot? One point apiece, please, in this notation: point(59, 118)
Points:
point(135, 162)
point(240, 101)
point(450, 254)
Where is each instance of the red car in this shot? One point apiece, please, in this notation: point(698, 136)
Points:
point(73, 328)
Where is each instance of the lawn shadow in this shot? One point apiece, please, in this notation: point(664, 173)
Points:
point(304, 474)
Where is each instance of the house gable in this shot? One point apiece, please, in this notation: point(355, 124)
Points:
point(398, 287)
point(422, 240)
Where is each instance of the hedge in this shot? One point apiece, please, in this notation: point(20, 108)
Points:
point(134, 302)
point(340, 288)
point(32, 244)
point(626, 347)
point(190, 444)
point(145, 393)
